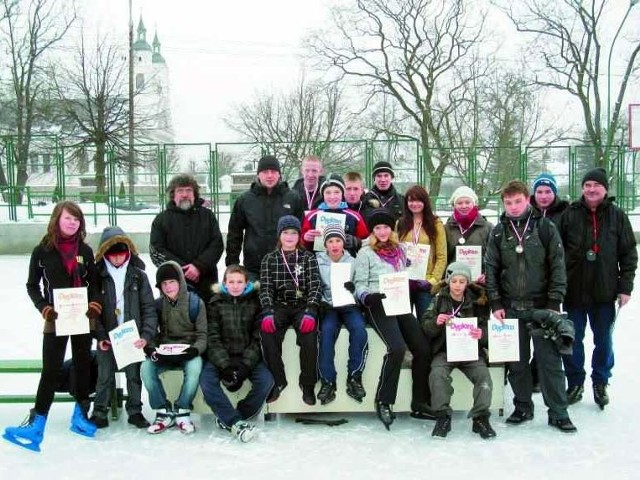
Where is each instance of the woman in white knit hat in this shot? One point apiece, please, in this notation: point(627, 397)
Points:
point(466, 227)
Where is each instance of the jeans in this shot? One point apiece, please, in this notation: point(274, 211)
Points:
point(329, 331)
point(421, 300)
point(150, 372)
point(215, 396)
point(106, 370)
point(601, 318)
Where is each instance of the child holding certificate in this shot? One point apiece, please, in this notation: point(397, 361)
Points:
point(62, 260)
point(337, 313)
point(385, 255)
point(290, 295)
point(459, 298)
point(127, 296)
point(180, 339)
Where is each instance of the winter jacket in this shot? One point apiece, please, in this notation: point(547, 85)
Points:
point(174, 324)
point(324, 265)
point(474, 304)
point(137, 293)
point(477, 235)
point(277, 285)
point(437, 253)
point(47, 272)
point(391, 200)
point(368, 267)
point(298, 188)
point(233, 329)
point(254, 220)
point(188, 236)
point(535, 278)
point(613, 270)
point(554, 211)
point(354, 227)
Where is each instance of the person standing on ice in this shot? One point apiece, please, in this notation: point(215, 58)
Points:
point(61, 260)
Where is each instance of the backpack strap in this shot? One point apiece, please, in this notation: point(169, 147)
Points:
point(194, 306)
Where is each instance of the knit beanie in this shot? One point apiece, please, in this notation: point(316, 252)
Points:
point(268, 162)
point(464, 192)
point(333, 231)
point(288, 222)
point(457, 268)
point(382, 167)
point(166, 271)
point(380, 216)
point(545, 180)
point(332, 181)
point(596, 175)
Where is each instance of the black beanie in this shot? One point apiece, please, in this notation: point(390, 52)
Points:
point(268, 162)
point(288, 222)
point(380, 216)
point(166, 271)
point(382, 167)
point(596, 175)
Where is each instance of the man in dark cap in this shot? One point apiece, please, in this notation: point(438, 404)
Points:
point(255, 214)
point(383, 194)
point(601, 263)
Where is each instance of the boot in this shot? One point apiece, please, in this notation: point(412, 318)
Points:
point(138, 420)
point(275, 393)
point(519, 416)
point(385, 414)
point(308, 394)
point(442, 427)
point(183, 419)
point(563, 424)
point(354, 387)
point(327, 393)
point(600, 395)
point(99, 422)
point(482, 427)
point(422, 411)
point(80, 424)
point(29, 435)
point(574, 394)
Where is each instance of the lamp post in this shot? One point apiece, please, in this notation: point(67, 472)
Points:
point(131, 153)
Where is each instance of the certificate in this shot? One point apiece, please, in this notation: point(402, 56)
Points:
point(172, 348)
point(504, 345)
point(122, 339)
point(461, 347)
point(419, 255)
point(396, 287)
point(470, 255)
point(322, 220)
point(340, 296)
point(71, 304)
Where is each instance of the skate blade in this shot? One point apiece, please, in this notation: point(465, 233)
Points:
point(22, 442)
point(85, 433)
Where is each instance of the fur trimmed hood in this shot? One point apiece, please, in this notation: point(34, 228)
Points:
point(110, 236)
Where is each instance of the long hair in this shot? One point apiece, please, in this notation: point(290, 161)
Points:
point(405, 224)
point(376, 244)
point(52, 237)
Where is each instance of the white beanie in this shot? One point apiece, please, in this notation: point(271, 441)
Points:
point(464, 191)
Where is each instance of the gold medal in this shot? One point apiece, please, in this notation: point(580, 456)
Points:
point(117, 312)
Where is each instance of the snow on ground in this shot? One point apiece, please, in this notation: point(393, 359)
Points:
point(362, 448)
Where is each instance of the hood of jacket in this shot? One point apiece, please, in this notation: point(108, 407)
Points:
point(220, 291)
point(112, 235)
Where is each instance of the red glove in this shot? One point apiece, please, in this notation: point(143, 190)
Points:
point(49, 314)
point(94, 311)
point(268, 324)
point(307, 324)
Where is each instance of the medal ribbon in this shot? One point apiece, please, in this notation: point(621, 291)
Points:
point(310, 198)
point(286, 264)
point(594, 223)
point(455, 311)
point(515, 230)
point(416, 232)
point(463, 231)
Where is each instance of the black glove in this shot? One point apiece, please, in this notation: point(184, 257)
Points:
point(190, 353)
point(371, 299)
point(242, 371)
point(352, 243)
point(228, 376)
point(149, 351)
point(350, 286)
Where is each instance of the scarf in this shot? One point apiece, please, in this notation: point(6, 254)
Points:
point(394, 256)
point(68, 249)
point(465, 221)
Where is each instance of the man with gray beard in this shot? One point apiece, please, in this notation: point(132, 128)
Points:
point(187, 232)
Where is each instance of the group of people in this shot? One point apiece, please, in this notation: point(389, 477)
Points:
point(543, 253)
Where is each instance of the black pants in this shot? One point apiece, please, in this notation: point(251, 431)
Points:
point(399, 332)
point(286, 316)
point(53, 350)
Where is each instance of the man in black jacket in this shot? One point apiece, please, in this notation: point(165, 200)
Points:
point(383, 194)
point(601, 263)
point(254, 218)
point(308, 186)
point(188, 233)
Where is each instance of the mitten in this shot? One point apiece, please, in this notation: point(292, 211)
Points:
point(350, 286)
point(308, 323)
point(94, 311)
point(371, 299)
point(268, 324)
point(191, 352)
point(49, 314)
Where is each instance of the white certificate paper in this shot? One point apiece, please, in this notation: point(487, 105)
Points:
point(419, 256)
point(460, 346)
point(71, 304)
point(503, 340)
point(340, 296)
point(322, 220)
point(396, 287)
point(172, 348)
point(470, 255)
point(122, 339)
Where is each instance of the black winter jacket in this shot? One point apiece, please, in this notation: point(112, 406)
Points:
point(478, 235)
point(254, 221)
point(554, 211)
point(298, 187)
point(613, 271)
point(233, 330)
point(535, 278)
point(391, 200)
point(188, 236)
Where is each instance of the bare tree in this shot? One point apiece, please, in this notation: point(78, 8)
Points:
point(568, 37)
point(418, 52)
point(30, 30)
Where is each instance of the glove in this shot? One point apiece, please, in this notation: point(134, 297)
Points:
point(190, 353)
point(243, 371)
point(352, 243)
point(350, 286)
point(268, 324)
point(370, 299)
point(308, 323)
point(150, 352)
point(94, 311)
point(49, 314)
point(228, 376)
